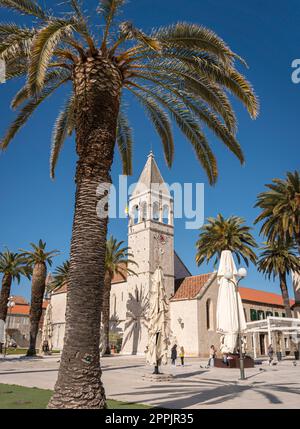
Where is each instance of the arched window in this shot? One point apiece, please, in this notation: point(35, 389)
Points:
point(135, 214)
point(144, 210)
point(156, 211)
point(165, 214)
point(209, 315)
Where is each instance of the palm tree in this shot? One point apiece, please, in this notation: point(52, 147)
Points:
point(116, 262)
point(225, 234)
point(60, 276)
point(281, 209)
point(182, 70)
point(278, 260)
point(12, 266)
point(38, 259)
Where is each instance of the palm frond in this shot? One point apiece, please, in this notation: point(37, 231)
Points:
point(189, 127)
point(124, 142)
point(193, 36)
point(52, 77)
point(15, 31)
point(199, 109)
point(199, 86)
point(161, 122)
point(129, 32)
point(234, 81)
point(109, 9)
point(15, 69)
point(27, 7)
point(42, 51)
point(25, 114)
point(63, 127)
point(15, 47)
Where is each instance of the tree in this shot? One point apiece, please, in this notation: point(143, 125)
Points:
point(12, 266)
point(38, 259)
point(225, 234)
point(182, 71)
point(281, 209)
point(278, 260)
point(116, 262)
point(60, 276)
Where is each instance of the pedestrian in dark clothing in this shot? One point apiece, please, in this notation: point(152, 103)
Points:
point(45, 346)
point(174, 354)
point(270, 354)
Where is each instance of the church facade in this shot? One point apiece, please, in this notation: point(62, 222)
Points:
point(192, 299)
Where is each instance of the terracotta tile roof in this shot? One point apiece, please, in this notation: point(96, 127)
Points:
point(189, 287)
point(119, 279)
point(24, 309)
point(19, 309)
point(45, 303)
point(254, 295)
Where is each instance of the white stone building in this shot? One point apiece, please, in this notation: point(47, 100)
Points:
point(192, 298)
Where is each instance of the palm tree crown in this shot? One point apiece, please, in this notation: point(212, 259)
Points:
point(225, 234)
point(14, 264)
point(60, 276)
point(182, 71)
point(38, 255)
point(278, 258)
point(281, 209)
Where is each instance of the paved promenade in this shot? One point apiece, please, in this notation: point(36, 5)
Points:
point(191, 387)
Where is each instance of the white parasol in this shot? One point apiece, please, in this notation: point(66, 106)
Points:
point(159, 322)
point(230, 313)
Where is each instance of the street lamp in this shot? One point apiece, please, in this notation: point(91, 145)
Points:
point(241, 274)
point(10, 306)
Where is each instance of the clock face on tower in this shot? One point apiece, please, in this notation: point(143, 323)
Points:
point(160, 249)
point(162, 239)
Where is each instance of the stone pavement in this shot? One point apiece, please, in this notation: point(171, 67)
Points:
point(191, 386)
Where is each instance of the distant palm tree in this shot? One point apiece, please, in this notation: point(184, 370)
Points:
point(38, 259)
point(117, 259)
point(281, 209)
point(12, 266)
point(60, 276)
point(278, 260)
point(225, 234)
point(182, 70)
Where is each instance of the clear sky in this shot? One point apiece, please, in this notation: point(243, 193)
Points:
point(266, 34)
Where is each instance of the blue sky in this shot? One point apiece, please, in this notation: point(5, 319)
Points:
point(265, 34)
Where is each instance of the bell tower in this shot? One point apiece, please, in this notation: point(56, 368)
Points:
point(151, 241)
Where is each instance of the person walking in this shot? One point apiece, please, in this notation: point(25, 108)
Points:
point(174, 354)
point(212, 355)
point(270, 354)
point(181, 355)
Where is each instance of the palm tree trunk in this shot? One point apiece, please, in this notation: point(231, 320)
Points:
point(36, 307)
point(97, 86)
point(5, 292)
point(105, 313)
point(285, 295)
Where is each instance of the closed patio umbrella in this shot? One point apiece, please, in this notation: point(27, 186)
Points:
point(159, 322)
point(229, 304)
